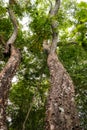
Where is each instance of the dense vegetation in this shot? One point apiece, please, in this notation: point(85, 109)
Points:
point(29, 92)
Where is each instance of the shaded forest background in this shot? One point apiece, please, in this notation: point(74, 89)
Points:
point(27, 98)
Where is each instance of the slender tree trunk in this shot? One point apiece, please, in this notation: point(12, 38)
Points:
point(61, 113)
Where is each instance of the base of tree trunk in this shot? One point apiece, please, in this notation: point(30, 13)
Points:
point(61, 113)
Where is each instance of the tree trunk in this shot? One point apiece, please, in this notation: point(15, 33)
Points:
point(10, 68)
point(6, 76)
point(61, 113)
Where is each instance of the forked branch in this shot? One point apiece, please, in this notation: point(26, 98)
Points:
point(54, 24)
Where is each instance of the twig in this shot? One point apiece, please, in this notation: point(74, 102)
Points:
point(29, 110)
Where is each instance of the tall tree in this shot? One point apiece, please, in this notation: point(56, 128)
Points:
point(9, 70)
point(61, 113)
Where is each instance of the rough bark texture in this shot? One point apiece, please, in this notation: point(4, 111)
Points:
point(6, 76)
point(61, 113)
point(10, 68)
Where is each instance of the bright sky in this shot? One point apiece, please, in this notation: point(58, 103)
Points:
point(32, 0)
point(81, 0)
point(25, 20)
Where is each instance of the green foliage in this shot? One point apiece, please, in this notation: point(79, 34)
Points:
point(40, 26)
point(2, 11)
point(32, 77)
point(32, 83)
point(5, 23)
point(81, 25)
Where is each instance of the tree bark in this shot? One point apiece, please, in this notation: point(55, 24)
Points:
point(6, 76)
point(61, 113)
point(9, 70)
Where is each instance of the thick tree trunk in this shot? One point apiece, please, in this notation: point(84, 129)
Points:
point(6, 76)
point(61, 113)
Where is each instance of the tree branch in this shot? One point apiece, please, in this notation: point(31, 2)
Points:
point(15, 32)
point(15, 25)
point(53, 12)
point(29, 110)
